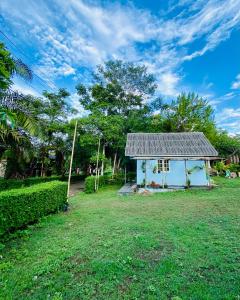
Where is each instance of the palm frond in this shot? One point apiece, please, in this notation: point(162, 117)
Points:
point(27, 122)
point(23, 70)
point(8, 134)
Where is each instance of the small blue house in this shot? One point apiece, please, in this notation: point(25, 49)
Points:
point(171, 160)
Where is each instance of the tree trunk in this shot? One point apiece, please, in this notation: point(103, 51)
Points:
point(114, 164)
point(118, 163)
point(42, 168)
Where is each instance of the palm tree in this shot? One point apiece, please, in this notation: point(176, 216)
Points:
point(16, 123)
point(12, 114)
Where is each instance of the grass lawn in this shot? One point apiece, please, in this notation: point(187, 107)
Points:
point(177, 245)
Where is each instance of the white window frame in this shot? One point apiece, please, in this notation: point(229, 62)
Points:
point(164, 165)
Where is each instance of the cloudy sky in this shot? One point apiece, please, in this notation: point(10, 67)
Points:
point(190, 45)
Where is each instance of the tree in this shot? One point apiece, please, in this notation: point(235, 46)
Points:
point(132, 78)
point(10, 66)
point(225, 144)
point(188, 113)
point(53, 120)
point(115, 101)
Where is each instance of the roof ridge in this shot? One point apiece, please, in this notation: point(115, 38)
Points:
point(182, 132)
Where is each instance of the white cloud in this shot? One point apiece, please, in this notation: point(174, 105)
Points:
point(236, 83)
point(25, 89)
point(84, 33)
point(74, 101)
point(229, 118)
point(167, 84)
point(229, 113)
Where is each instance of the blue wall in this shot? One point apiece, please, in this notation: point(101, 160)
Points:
point(176, 175)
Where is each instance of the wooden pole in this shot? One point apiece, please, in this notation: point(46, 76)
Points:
point(71, 160)
point(96, 175)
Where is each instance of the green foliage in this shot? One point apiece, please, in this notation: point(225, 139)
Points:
point(233, 167)
point(117, 104)
point(104, 180)
point(8, 184)
point(194, 169)
point(7, 67)
point(225, 144)
point(90, 183)
point(131, 77)
point(19, 207)
point(220, 166)
point(188, 113)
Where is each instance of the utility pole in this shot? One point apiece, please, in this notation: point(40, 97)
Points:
point(71, 160)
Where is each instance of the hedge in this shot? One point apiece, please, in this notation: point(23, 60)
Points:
point(19, 207)
point(8, 184)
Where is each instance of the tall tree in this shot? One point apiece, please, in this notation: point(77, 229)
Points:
point(188, 113)
point(115, 100)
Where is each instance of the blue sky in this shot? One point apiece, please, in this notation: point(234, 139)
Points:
point(189, 45)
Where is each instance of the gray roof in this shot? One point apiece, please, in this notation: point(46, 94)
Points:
point(192, 144)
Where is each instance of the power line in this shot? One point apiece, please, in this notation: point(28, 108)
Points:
point(28, 57)
point(27, 82)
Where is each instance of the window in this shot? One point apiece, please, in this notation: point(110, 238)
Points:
point(160, 166)
point(166, 165)
point(163, 165)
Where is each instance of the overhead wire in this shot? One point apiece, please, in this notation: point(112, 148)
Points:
point(42, 81)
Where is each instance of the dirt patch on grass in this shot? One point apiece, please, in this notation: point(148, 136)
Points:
point(156, 254)
point(123, 287)
point(77, 265)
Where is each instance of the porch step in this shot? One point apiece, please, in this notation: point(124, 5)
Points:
point(127, 189)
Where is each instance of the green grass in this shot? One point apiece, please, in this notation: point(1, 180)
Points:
point(165, 246)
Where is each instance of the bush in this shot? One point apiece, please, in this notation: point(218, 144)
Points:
point(19, 207)
point(233, 167)
point(220, 167)
point(8, 184)
point(90, 183)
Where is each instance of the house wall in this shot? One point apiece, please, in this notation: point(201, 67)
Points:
point(176, 175)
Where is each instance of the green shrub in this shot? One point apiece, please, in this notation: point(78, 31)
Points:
point(220, 167)
point(90, 183)
point(118, 178)
point(89, 186)
point(36, 180)
point(8, 184)
point(233, 167)
point(19, 207)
